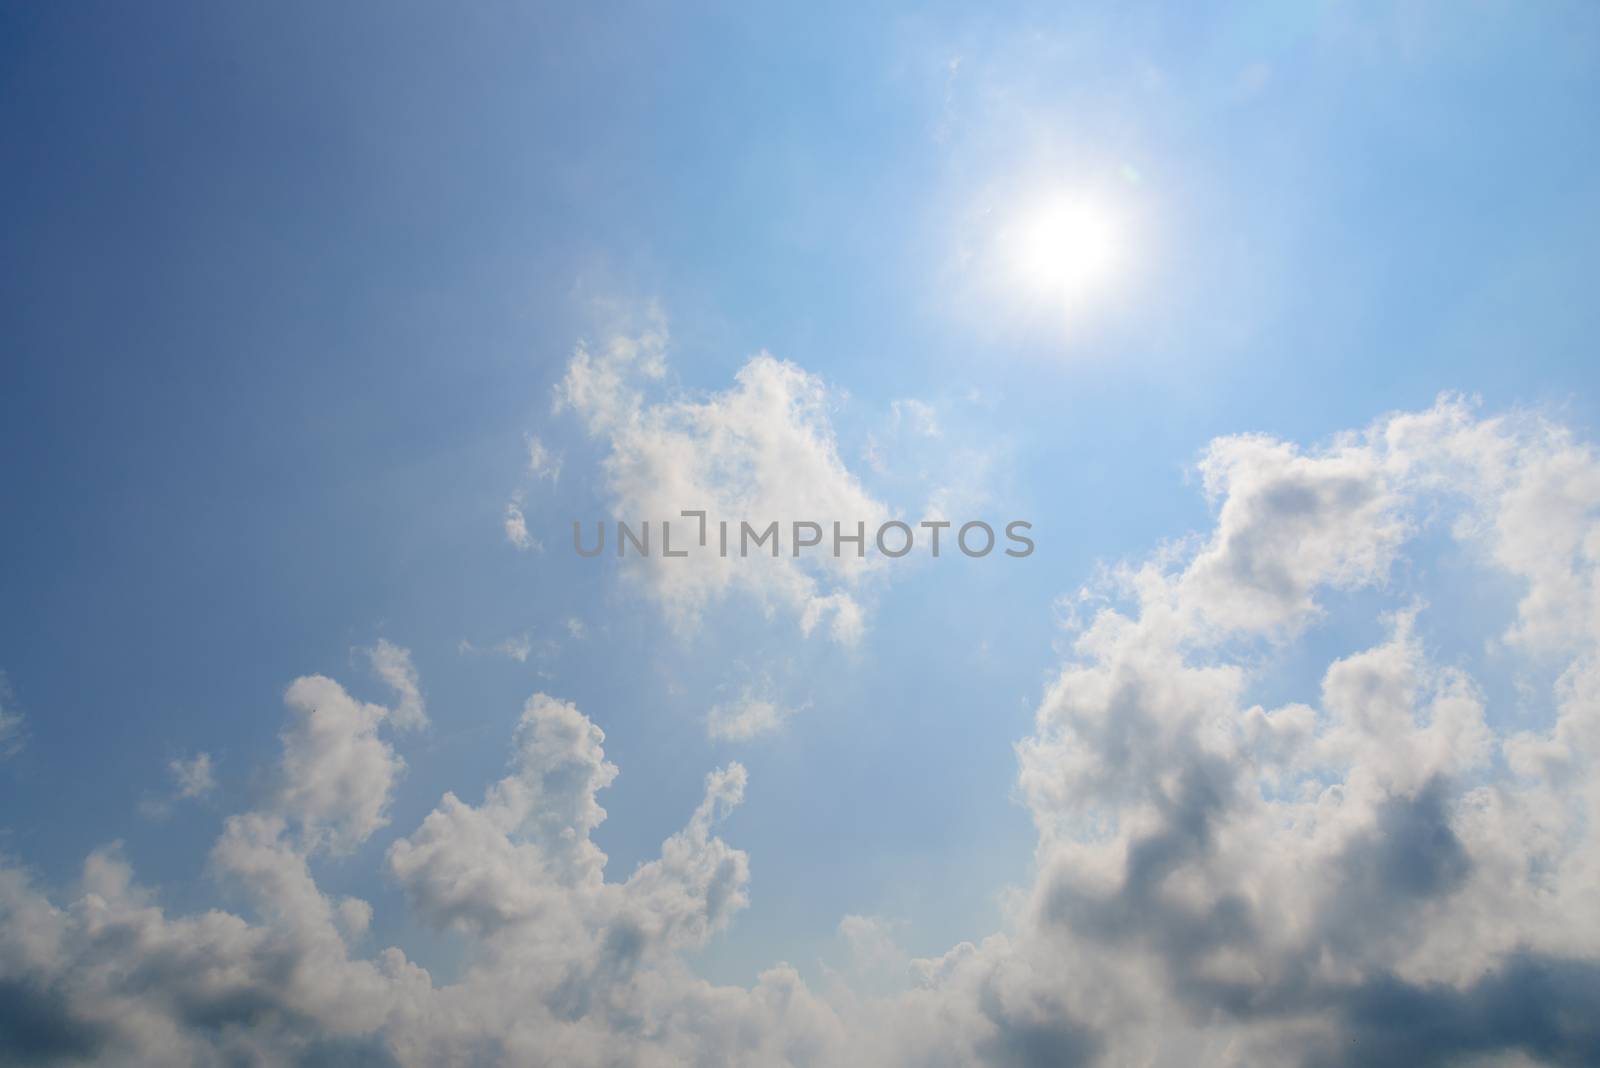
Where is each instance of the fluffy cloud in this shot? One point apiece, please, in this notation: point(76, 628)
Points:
point(336, 772)
point(112, 979)
point(1382, 875)
point(563, 966)
point(760, 451)
point(1352, 883)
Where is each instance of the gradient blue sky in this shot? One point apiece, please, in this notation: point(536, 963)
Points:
point(284, 286)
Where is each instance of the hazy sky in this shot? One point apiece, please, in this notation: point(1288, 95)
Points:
point(320, 324)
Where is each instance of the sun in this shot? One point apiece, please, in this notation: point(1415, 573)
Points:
point(1065, 249)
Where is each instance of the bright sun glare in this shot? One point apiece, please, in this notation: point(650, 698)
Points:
point(1065, 250)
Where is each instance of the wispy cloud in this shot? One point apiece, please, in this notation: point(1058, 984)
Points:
point(192, 778)
point(393, 665)
point(516, 528)
point(11, 721)
point(750, 715)
point(542, 463)
point(519, 647)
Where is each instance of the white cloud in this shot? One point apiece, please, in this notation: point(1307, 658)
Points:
point(1378, 877)
point(393, 665)
point(761, 451)
point(337, 773)
point(112, 979)
point(876, 962)
point(10, 734)
point(748, 716)
point(518, 647)
point(965, 488)
point(192, 778)
point(918, 417)
point(11, 721)
point(957, 478)
point(1259, 878)
point(542, 463)
point(506, 861)
point(604, 387)
point(516, 528)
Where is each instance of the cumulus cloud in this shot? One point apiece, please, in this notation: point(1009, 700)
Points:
point(1267, 877)
point(761, 451)
point(112, 979)
point(874, 962)
point(337, 772)
point(563, 966)
point(1381, 874)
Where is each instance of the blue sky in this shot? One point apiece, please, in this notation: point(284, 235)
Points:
point(286, 289)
